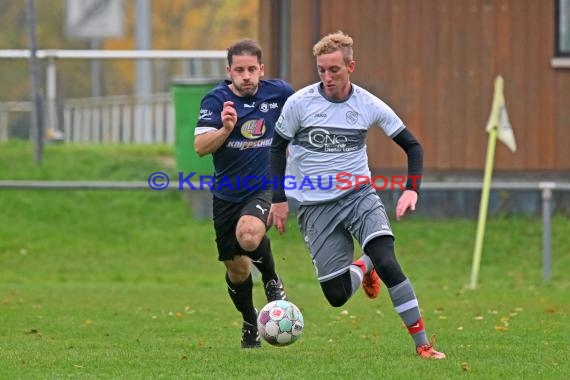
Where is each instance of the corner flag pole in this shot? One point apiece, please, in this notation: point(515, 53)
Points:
point(492, 128)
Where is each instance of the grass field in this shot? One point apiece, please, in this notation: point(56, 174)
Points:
point(126, 285)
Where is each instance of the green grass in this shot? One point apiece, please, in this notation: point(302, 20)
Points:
point(126, 285)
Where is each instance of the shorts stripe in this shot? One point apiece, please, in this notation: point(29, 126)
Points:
point(374, 235)
point(333, 274)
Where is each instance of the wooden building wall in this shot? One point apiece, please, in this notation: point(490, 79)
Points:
point(434, 62)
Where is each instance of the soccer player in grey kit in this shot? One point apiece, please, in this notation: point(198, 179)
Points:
point(323, 128)
point(235, 125)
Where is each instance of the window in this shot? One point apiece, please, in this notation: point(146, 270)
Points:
point(562, 32)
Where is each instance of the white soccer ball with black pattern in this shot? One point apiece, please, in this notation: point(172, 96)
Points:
point(280, 323)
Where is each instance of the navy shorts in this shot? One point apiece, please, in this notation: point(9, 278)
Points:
point(226, 216)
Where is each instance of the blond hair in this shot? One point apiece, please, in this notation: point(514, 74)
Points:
point(334, 42)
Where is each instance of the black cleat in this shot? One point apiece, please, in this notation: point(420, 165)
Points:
point(275, 291)
point(250, 336)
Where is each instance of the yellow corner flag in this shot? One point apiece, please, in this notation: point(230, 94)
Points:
point(499, 127)
point(499, 118)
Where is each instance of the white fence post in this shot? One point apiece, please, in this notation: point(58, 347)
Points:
point(4, 133)
point(546, 188)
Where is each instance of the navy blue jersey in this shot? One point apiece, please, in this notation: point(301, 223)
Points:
point(241, 164)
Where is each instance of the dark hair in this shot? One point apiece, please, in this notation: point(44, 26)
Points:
point(244, 47)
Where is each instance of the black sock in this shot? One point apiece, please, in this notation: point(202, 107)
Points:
point(262, 258)
point(241, 295)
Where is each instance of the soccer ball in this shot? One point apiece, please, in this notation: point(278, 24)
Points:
point(280, 323)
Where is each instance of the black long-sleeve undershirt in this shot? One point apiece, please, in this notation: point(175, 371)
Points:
point(278, 162)
point(407, 141)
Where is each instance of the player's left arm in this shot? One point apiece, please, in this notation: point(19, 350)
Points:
point(415, 153)
point(278, 161)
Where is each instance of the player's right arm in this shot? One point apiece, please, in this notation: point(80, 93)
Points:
point(211, 140)
point(285, 130)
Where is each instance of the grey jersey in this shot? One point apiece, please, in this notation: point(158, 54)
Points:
point(327, 148)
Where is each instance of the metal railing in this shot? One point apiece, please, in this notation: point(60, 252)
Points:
point(108, 119)
point(203, 63)
point(113, 119)
point(545, 188)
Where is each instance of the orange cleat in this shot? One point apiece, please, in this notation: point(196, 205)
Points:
point(370, 282)
point(427, 351)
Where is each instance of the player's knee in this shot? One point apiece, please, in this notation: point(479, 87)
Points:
point(249, 233)
point(337, 290)
point(248, 238)
point(388, 263)
point(335, 300)
point(248, 242)
point(381, 252)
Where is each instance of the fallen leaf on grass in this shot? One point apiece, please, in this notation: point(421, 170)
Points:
point(501, 328)
point(465, 367)
point(33, 332)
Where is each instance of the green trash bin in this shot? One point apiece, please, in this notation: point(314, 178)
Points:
point(187, 94)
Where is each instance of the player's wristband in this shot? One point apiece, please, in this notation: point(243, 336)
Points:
point(278, 197)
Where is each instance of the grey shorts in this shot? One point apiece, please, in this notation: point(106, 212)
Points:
point(329, 228)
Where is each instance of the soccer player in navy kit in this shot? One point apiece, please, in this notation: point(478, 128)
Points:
point(236, 125)
point(323, 127)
